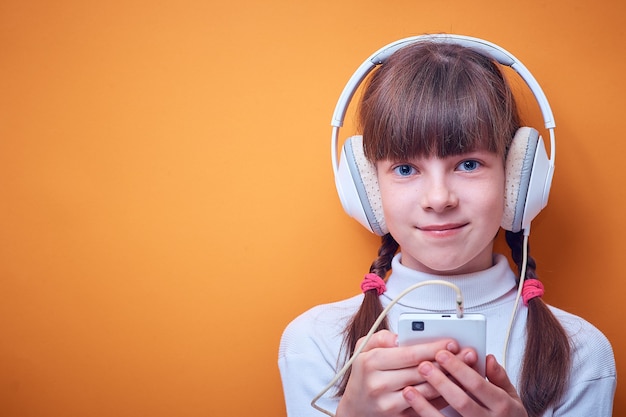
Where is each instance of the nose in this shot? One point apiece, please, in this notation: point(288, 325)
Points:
point(438, 195)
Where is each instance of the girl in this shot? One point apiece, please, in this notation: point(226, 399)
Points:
point(438, 120)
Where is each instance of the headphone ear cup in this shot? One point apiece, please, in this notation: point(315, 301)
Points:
point(518, 169)
point(357, 185)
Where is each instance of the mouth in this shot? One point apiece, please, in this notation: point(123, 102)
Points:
point(442, 228)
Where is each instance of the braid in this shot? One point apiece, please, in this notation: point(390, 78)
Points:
point(546, 363)
point(516, 243)
point(388, 249)
point(371, 306)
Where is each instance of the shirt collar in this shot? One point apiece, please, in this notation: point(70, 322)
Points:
point(478, 288)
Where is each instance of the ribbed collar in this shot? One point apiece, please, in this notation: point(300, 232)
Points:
point(478, 288)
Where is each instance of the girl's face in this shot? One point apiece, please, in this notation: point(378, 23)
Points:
point(444, 213)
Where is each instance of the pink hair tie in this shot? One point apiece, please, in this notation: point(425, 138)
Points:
point(373, 282)
point(532, 288)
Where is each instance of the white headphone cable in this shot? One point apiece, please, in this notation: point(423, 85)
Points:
point(381, 317)
point(519, 293)
point(459, 309)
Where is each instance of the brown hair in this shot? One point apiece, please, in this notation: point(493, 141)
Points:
point(435, 99)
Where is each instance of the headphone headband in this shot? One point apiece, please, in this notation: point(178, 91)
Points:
point(486, 48)
point(535, 184)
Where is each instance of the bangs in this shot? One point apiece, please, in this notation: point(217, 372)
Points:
point(442, 108)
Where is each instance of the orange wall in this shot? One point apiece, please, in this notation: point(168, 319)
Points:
point(167, 203)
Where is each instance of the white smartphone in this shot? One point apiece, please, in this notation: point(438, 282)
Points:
point(469, 331)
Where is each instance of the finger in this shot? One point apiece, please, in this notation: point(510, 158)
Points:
point(420, 404)
point(404, 361)
point(469, 357)
point(380, 339)
point(497, 376)
point(404, 356)
point(427, 390)
point(450, 390)
point(431, 394)
point(376, 358)
point(413, 355)
point(475, 392)
point(372, 367)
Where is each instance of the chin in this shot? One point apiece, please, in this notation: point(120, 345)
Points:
point(448, 267)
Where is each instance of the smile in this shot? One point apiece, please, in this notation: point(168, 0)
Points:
point(442, 228)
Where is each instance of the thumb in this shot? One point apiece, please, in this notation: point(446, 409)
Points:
point(497, 376)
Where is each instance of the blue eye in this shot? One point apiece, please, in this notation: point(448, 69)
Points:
point(469, 165)
point(404, 170)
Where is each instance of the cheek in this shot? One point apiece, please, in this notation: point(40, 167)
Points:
point(396, 204)
point(389, 202)
point(488, 200)
point(497, 199)
point(498, 210)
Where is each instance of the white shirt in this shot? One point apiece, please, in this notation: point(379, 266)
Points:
point(309, 354)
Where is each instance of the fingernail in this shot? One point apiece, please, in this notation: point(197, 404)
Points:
point(443, 356)
point(470, 357)
point(452, 347)
point(425, 368)
point(409, 393)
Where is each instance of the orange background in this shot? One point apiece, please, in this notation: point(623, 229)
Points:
point(167, 201)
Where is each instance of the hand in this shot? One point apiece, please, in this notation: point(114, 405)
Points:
point(471, 395)
point(382, 370)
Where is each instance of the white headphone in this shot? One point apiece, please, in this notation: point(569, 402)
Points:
point(528, 169)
